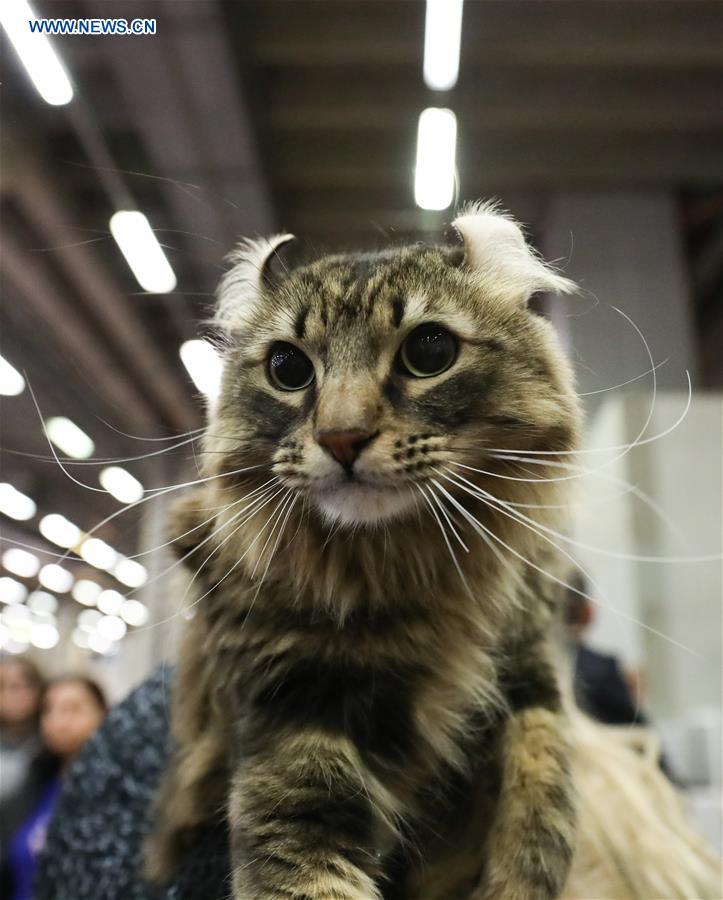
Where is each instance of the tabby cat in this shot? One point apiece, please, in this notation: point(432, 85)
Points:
point(367, 691)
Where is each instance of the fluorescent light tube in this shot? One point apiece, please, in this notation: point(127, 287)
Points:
point(66, 435)
point(143, 253)
point(133, 612)
point(20, 562)
point(86, 592)
point(12, 591)
point(442, 35)
point(56, 578)
point(436, 147)
point(130, 573)
point(12, 382)
point(121, 484)
point(15, 504)
point(60, 531)
point(36, 53)
point(203, 365)
point(98, 554)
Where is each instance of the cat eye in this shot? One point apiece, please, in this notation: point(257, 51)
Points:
point(290, 369)
point(428, 350)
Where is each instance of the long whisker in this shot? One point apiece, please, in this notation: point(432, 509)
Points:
point(256, 509)
point(614, 554)
point(244, 554)
point(625, 383)
point(580, 471)
point(226, 506)
point(564, 584)
point(221, 527)
point(205, 540)
point(474, 523)
point(453, 555)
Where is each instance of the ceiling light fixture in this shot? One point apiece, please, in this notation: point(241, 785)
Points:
point(139, 245)
point(130, 573)
point(12, 382)
point(98, 554)
point(56, 578)
point(36, 53)
point(15, 504)
point(442, 36)
point(12, 591)
point(86, 592)
point(69, 438)
point(59, 530)
point(204, 366)
point(20, 562)
point(121, 484)
point(435, 171)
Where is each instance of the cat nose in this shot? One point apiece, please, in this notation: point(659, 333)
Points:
point(344, 445)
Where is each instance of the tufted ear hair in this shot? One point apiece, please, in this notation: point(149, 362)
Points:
point(254, 266)
point(496, 251)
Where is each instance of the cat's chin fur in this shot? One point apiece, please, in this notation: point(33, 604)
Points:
point(356, 504)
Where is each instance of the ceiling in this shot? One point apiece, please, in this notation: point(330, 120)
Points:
point(244, 117)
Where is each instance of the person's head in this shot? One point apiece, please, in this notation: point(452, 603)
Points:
point(73, 707)
point(21, 690)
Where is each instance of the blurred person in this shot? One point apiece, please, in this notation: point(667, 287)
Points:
point(73, 707)
point(22, 762)
point(21, 689)
point(599, 685)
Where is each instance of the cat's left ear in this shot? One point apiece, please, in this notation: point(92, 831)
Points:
point(495, 249)
point(256, 265)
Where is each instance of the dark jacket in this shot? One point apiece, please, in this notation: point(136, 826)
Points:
point(94, 844)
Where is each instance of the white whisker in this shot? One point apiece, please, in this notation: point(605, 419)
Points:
point(563, 583)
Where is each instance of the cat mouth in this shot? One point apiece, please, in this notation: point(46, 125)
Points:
point(355, 500)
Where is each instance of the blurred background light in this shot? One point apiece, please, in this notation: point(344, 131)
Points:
point(80, 638)
point(20, 562)
point(42, 64)
point(121, 484)
point(112, 628)
point(44, 636)
point(12, 591)
point(102, 645)
point(43, 603)
point(12, 382)
point(140, 247)
point(434, 176)
point(86, 592)
point(98, 553)
point(15, 504)
point(59, 530)
point(442, 35)
point(130, 573)
point(66, 435)
point(204, 365)
point(56, 578)
point(88, 619)
point(110, 602)
point(134, 613)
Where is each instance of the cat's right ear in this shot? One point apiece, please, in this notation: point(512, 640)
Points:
point(256, 265)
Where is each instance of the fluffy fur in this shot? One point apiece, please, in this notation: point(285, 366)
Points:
point(368, 688)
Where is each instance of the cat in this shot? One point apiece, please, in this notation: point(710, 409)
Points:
point(368, 690)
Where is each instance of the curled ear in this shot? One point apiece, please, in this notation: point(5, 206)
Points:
point(496, 251)
point(254, 265)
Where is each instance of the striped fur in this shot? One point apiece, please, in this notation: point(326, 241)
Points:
point(378, 715)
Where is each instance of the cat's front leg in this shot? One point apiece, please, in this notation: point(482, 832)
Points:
point(307, 821)
point(532, 840)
